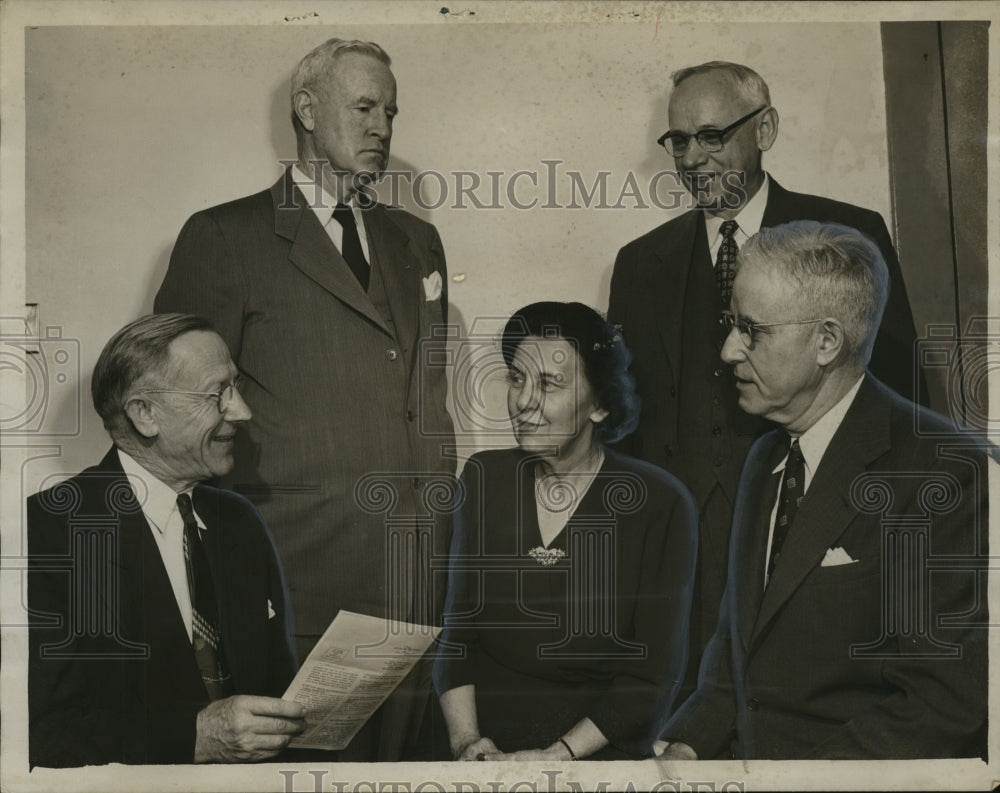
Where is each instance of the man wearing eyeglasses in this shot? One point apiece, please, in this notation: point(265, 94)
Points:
point(159, 624)
point(854, 623)
point(669, 285)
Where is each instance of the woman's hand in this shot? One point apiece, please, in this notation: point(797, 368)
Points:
point(556, 752)
point(476, 748)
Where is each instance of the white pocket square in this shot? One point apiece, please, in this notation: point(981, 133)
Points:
point(836, 556)
point(432, 286)
point(270, 610)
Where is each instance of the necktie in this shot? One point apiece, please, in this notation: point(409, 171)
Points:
point(351, 246)
point(204, 609)
point(725, 261)
point(789, 498)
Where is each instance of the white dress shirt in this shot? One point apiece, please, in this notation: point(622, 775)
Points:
point(159, 506)
point(813, 444)
point(748, 221)
point(323, 206)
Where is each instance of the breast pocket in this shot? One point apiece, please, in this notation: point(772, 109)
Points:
point(843, 574)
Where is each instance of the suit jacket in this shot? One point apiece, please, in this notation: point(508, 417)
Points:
point(884, 657)
point(347, 396)
point(689, 422)
point(112, 674)
point(648, 298)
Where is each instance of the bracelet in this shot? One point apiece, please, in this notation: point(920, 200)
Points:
point(572, 754)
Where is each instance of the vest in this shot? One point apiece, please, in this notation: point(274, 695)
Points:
point(714, 435)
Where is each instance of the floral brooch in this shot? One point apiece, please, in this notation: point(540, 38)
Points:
point(546, 556)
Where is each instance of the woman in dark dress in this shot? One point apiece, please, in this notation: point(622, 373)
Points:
point(572, 565)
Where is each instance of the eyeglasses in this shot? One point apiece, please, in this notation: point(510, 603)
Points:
point(747, 330)
point(710, 140)
point(223, 399)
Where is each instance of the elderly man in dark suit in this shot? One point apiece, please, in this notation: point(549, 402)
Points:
point(854, 622)
point(667, 298)
point(159, 627)
point(329, 304)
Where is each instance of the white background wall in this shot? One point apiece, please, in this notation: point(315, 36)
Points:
point(113, 136)
point(132, 129)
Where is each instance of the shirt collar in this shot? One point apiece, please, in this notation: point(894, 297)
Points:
point(815, 440)
point(748, 219)
point(157, 500)
point(323, 208)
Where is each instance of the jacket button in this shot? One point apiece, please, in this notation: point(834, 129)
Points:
point(391, 354)
point(410, 415)
point(753, 704)
point(669, 451)
point(716, 430)
point(718, 372)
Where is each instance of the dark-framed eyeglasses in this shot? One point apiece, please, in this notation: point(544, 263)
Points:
point(748, 331)
point(223, 398)
point(710, 140)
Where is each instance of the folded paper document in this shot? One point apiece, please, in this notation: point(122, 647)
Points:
point(355, 666)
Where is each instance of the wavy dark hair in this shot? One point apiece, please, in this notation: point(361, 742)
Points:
point(601, 348)
point(141, 349)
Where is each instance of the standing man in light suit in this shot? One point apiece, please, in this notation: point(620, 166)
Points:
point(328, 302)
point(669, 285)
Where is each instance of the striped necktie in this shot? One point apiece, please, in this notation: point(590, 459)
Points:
point(204, 609)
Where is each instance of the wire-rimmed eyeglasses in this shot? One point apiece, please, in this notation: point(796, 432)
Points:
point(710, 140)
point(223, 398)
point(747, 331)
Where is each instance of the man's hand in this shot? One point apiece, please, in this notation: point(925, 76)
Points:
point(244, 729)
point(556, 753)
point(675, 751)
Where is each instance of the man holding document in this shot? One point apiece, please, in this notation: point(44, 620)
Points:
point(355, 666)
point(158, 614)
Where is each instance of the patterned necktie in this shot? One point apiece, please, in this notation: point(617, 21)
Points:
point(351, 248)
point(204, 609)
point(725, 261)
point(789, 498)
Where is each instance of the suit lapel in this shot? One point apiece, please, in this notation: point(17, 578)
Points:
point(236, 583)
point(173, 673)
point(758, 491)
point(314, 253)
point(131, 559)
point(144, 601)
point(779, 209)
point(401, 276)
point(674, 258)
point(826, 510)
